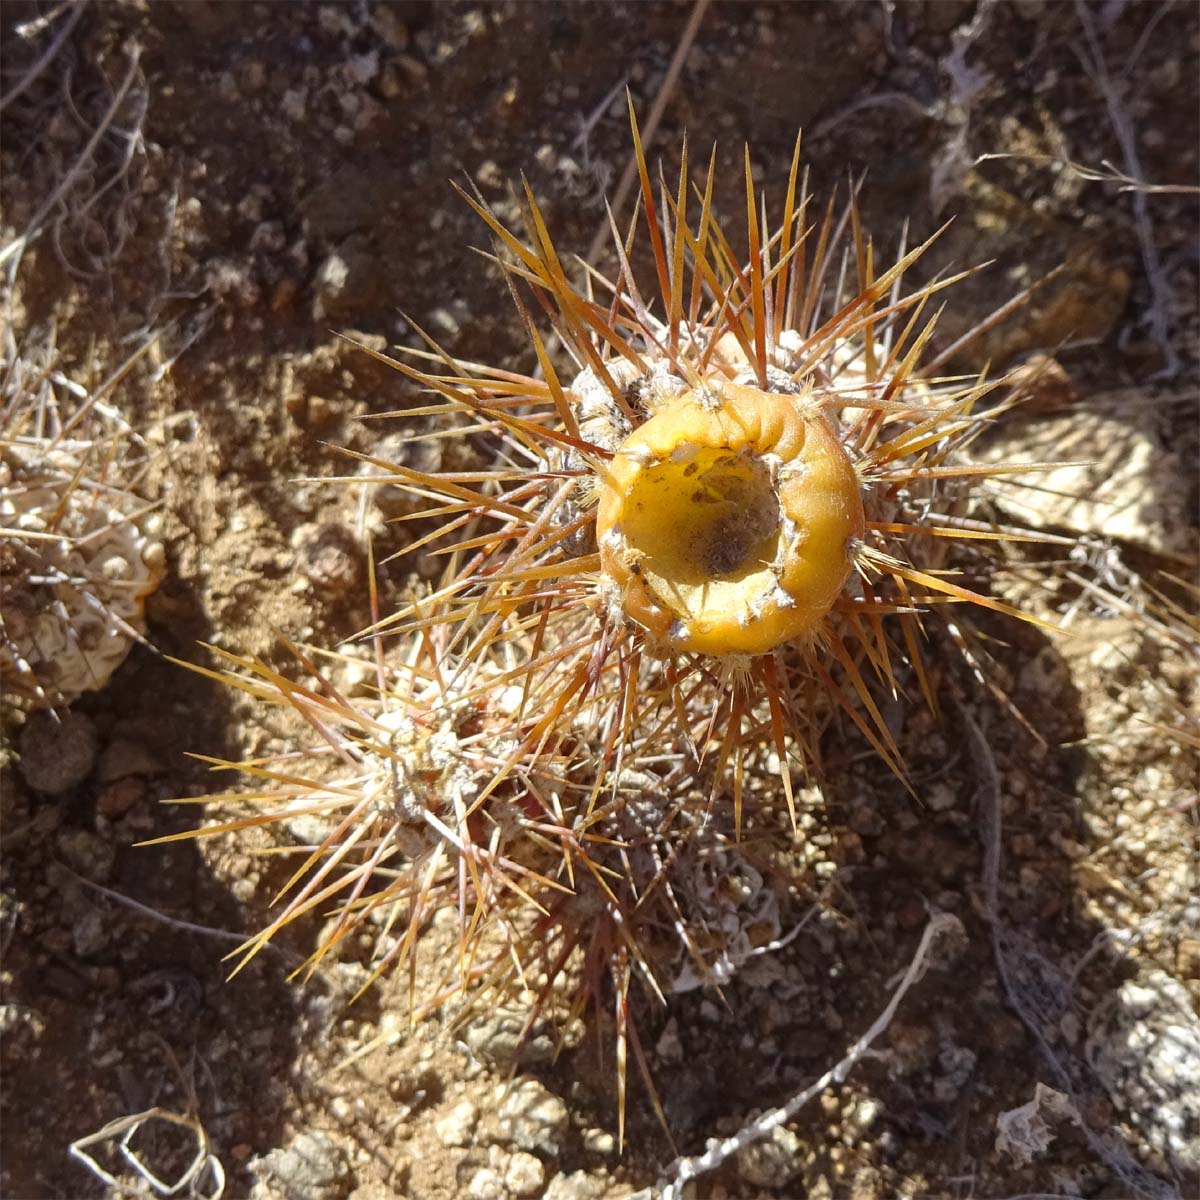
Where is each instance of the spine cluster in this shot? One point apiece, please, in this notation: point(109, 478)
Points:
point(679, 567)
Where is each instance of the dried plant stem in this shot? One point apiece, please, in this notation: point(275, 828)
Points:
point(1160, 294)
point(19, 88)
point(186, 926)
point(204, 1167)
point(665, 92)
point(718, 1152)
point(17, 247)
point(1107, 173)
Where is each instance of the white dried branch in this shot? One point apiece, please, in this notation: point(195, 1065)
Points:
point(13, 252)
point(126, 1128)
point(31, 29)
point(721, 1150)
point(174, 922)
point(1159, 312)
point(1106, 173)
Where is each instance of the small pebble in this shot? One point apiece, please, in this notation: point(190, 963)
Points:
point(485, 1185)
point(388, 25)
point(86, 854)
point(1187, 958)
point(19, 1021)
point(867, 821)
point(57, 752)
point(313, 1166)
point(123, 758)
point(295, 103)
point(578, 1185)
point(364, 67)
point(233, 279)
point(252, 76)
point(351, 279)
point(599, 1141)
point(956, 1065)
point(941, 797)
point(773, 1162)
point(445, 323)
point(243, 890)
point(457, 1127)
point(390, 82)
point(496, 1038)
point(330, 556)
point(531, 1117)
point(524, 1176)
point(489, 175)
point(89, 935)
point(116, 799)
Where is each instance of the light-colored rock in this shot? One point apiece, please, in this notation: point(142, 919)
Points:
point(329, 556)
point(773, 1162)
point(497, 1037)
point(578, 1185)
point(312, 1165)
point(941, 797)
point(485, 1185)
point(524, 1177)
point(349, 280)
point(457, 1127)
point(1127, 487)
point(599, 1141)
point(1144, 1045)
point(19, 1023)
point(530, 1117)
point(89, 934)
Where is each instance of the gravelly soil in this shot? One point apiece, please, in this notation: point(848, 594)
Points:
point(291, 183)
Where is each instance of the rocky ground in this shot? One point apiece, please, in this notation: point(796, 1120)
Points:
point(275, 176)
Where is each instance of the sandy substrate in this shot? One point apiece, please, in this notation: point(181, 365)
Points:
point(288, 186)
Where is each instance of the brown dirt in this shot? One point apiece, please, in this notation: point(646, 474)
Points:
point(283, 137)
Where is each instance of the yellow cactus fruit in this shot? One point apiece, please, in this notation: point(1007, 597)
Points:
point(728, 520)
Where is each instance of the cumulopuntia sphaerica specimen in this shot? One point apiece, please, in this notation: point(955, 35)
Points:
point(725, 525)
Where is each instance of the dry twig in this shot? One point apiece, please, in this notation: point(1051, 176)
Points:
point(127, 1128)
point(49, 54)
point(185, 926)
point(1107, 173)
point(720, 1151)
point(204, 1168)
point(665, 92)
point(12, 253)
point(1158, 314)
